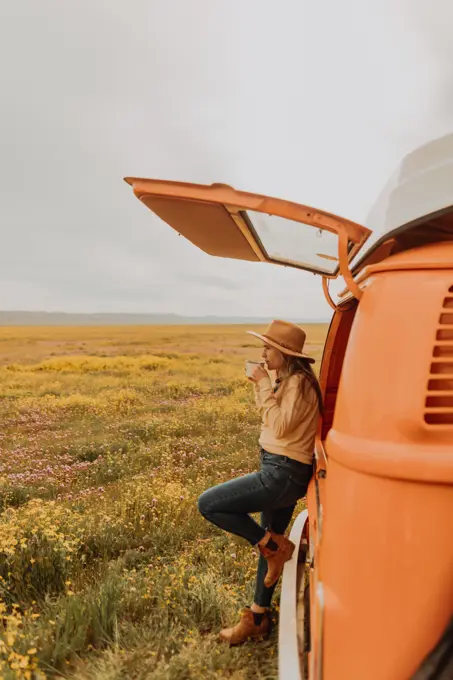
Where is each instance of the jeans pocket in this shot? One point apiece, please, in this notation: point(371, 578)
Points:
point(301, 472)
point(278, 482)
point(286, 488)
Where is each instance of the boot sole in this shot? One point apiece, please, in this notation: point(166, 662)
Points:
point(261, 636)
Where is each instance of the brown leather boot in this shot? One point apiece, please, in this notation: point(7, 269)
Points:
point(276, 558)
point(246, 629)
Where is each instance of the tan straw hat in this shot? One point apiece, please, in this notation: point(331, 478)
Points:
point(285, 336)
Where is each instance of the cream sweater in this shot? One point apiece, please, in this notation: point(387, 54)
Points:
point(289, 417)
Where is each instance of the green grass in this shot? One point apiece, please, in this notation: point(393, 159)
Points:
point(107, 570)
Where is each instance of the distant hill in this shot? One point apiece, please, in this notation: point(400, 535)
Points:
point(106, 319)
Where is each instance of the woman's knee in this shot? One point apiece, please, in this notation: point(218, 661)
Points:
point(203, 503)
point(211, 500)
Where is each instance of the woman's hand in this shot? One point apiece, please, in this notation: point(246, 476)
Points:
point(258, 374)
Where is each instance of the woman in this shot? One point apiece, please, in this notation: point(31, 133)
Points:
point(289, 412)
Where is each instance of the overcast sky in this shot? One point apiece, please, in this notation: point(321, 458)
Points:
point(311, 101)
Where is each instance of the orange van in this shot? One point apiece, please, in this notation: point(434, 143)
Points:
point(371, 596)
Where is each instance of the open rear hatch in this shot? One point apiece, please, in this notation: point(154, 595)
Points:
point(244, 226)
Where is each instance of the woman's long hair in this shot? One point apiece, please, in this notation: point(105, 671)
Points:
point(303, 366)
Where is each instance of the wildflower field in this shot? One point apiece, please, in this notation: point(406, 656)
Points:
point(108, 436)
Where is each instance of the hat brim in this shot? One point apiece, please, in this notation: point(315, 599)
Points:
point(268, 341)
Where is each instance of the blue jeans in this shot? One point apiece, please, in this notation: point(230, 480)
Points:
point(274, 491)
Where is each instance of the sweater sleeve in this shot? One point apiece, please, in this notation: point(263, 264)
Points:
point(282, 418)
point(256, 391)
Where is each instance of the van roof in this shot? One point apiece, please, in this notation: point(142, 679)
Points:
point(421, 187)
